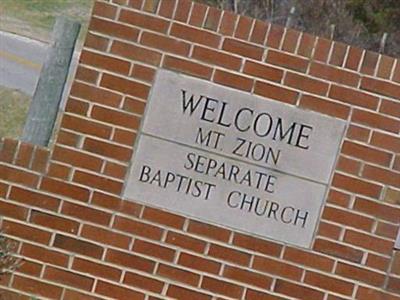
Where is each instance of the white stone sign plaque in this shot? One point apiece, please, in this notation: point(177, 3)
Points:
point(231, 158)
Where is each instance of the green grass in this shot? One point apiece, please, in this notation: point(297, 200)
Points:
point(35, 18)
point(13, 110)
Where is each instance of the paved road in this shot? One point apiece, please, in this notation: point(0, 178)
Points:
point(21, 59)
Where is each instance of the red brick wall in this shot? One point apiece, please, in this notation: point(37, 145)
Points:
point(80, 240)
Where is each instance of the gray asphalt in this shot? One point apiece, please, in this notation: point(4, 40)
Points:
point(21, 59)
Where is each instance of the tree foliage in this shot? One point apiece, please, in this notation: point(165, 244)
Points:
point(357, 22)
point(8, 262)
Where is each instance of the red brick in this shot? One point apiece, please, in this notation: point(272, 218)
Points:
point(275, 92)
point(125, 137)
point(94, 41)
point(143, 73)
point(36, 287)
point(114, 29)
point(54, 222)
point(358, 133)
point(229, 254)
point(132, 104)
point(77, 107)
point(99, 182)
point(115, 170)
point(338, 54)
point(296, 290)
point(164, 43)
point(187, 67)
point(68, 278)
point(143, 282)
point(199, 263)
point(306, 84)
point(154, 250)
point(185, 242)
point(13, 211)
point(366, 153)
point(257, 245)
point(162, 217)
point(334, 74)
point(329, 230)
point(396, 74)
point(257, 295)
point(77, 158)
point(338, 250)
point(354, 97)
point(306, 45)
point(393, 285)
point(275, 36)
point(329, 283)
point(348, 218)
point(18, 176)
point(66, 189)
point(287, 61)
point(105, 236)
point(198, 14)
point(95, 94)
point(323, 106)
point(244, 27)
point(104, 10)
point(3, 190)
point(368, 242)
point(228, 22)
point(381, 87)
point(86, 213)
point(105, 62)
point(195, 35)
point(8, 150)
point(26, 232)
point(73, 295)
point(182, 10)
point(354, 58)
point(216, 58)
point(77, 246)
point(49, 256)
point(376, 121)
point(125, 86)
point(276, 267)
point(137, 228)
point(178, 275)
point(86, 74)
point(107, 149)
point(322, 49)
point(210, 231)
point(32, 198)
point(369, 63)
point(167, 8)
point(390, 108)
point(136, 53)
point(129, 261)
point(379, 210)
point(59, 171)
point(85, 126)
point(348, 165)
point(385, 67)
point(355, 185)
point(118, 292)
point(24, 155)
point(386, 230)
point(212, 19)
point(116, 204)
point(247, 277)
point(360, 274)
point(291, 40)
point(222, 287)
point(382, 175)
point(377, 262)
point(263, 71)
point(30, 268)
point(259, 32)
point(243, 48)
point(144, 21)
point(233, 80)
point(40, 160)
point(181, 293)
point(371, 294)
point(309, 259)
